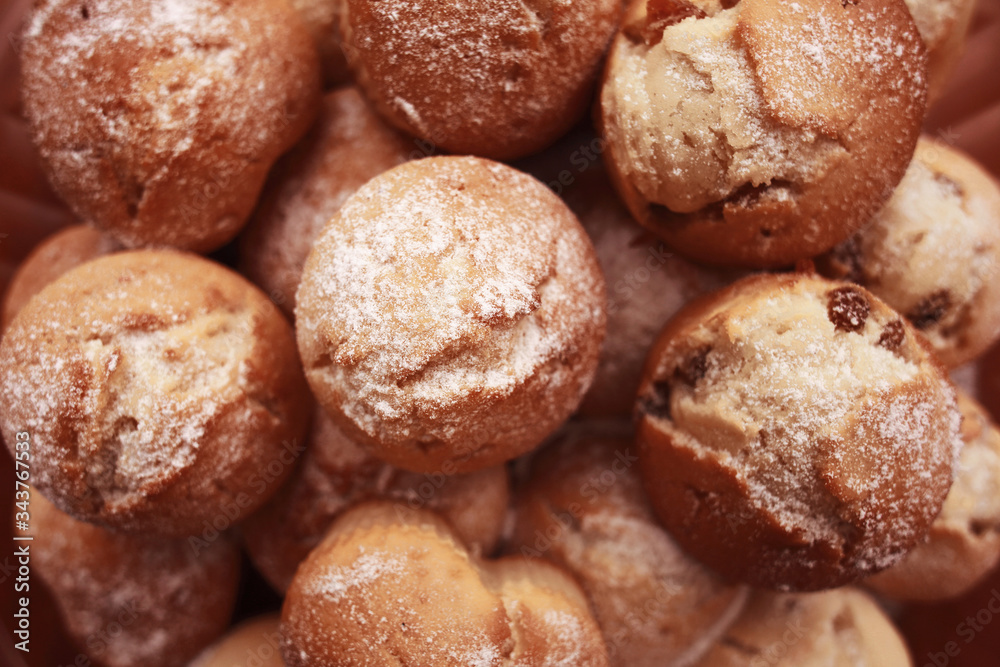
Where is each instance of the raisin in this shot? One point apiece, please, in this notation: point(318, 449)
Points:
point(661, 14)
point(951, 185)
point(930, 311)
point(848, 309)
point(656, 402)
point(892, 336)
point(694, 367)
point(671, 11)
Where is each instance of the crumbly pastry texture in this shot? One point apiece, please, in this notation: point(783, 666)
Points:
point(760, 133)
point(964, 542)
point(452, 312)
point(146, 601)
point(156, 386)
point(386, 589)
point(933, 252)
point(795, 433)
point(158, 120)
point(490, 77)
point(348, 146)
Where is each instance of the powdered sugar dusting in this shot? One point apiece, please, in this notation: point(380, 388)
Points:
point(441, 278)
point(806, 416)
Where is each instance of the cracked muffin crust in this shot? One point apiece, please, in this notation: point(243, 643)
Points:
point(388, 589)
point(144, 600)
point(963, 545)
point(584, 509)
point(757, 133)
point(840, 628)
point(450, 315)
point(933, 252)
point(159, 388)
point(347, 147)
point(493, 78)
point(336, 474)
point(157, 121)
point(795, 433)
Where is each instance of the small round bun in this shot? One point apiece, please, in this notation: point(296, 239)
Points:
point(583, 508)
point(943, 25)
point(840, 627)
point(64, 250)
point(385, 589)
point(131, 600)
point(253, 643)
point(450, 316)
point(486, 77)
point(322, 18)
point(159, 389)
point(964, 541)
point(349, 145)
point(758, 133)
point(336, 474)
point(795, 433)
point(933, 252)
point(158, 120)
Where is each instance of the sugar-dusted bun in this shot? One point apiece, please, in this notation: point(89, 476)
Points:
point(933, 252)
point(385, 588)
point(758, 133)
point(450, 316)
point(64, 250)
point(486, 77)
point(336, 474)
point(159, 390)
point(349, 145)
point(253, 643)
point(795, 433)
point(131, 600)
point(583, 507)
point(839, 628)
point(158, 120)
point(322, 18)
point(943, 25)
point(964, 541)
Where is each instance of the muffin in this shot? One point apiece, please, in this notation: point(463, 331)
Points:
point(160, 391)
point(756, 133)
point(795, 433)
point(348, 146)
point(450, 315)
point(131, 600)
point(963, 545)
point(64, 250)
point(490, 78)
point(840, 627)
point(584, 509)
point(158, 121)
point(943, 25)
point(388, 590)
point(253, 643)
point(933, 252)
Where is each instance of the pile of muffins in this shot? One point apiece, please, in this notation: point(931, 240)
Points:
point(359, 290)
